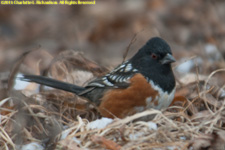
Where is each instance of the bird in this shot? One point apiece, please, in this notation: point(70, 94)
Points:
point(144, 81)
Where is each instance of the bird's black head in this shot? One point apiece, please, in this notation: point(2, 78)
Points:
point(154, 60)
point(155, 50)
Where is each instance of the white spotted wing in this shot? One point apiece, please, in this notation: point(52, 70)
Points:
point(118, 78)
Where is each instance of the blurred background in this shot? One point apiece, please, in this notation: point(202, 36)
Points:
point(195, 30)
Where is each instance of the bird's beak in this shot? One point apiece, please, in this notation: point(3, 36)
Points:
point(168, 59)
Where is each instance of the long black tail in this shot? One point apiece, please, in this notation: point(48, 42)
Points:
point(53, 83)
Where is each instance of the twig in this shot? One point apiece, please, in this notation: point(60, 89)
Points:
point(128, 47)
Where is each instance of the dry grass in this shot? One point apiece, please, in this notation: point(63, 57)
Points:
point(194, 121)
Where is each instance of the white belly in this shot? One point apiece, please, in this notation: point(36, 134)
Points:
point(163, 100)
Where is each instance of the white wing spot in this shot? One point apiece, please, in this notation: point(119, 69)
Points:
point(113, 77)
point(107, 83)
point(128, 68)
point(135, 70)
point(118, 78)
point(122, 79)
point(128, 78)
point(122, 70)
point(122, 66)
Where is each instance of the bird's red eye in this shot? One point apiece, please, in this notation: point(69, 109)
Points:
point(154, 56)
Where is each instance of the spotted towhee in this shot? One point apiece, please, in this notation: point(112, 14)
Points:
point(144, 81)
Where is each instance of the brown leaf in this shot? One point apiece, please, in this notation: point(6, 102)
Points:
point(177, 99)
